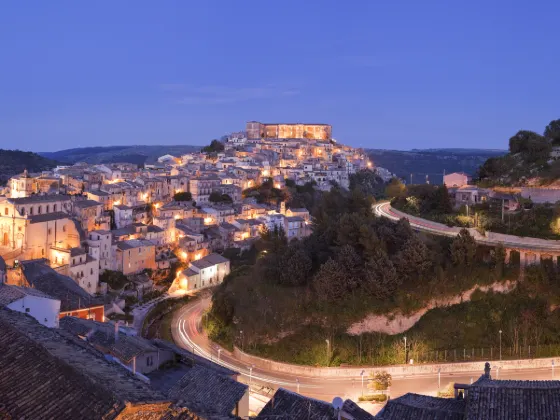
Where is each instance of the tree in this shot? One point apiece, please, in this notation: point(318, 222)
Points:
point(380, 381)
point(380, 276)
point(395, 188)
point(215, 197)
point(182, 196)
point(295, 266)
point(368, 182)
point(214, 147)
point(534, 146)
point(442, 202)
point(552, 130)
point(463, 248)
point(352, 264)
point(413, 259)
point(329, 282)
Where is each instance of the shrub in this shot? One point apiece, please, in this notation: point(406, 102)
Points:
point(114, 279)
point(380, 380)
point(448, 392)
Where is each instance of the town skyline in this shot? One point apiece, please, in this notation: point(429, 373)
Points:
point(384, 75)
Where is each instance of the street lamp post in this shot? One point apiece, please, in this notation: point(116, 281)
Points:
point(553, 370)
point(405, 348)
point(219, 351)
point(362, 375)
point(297, 382)
point(250, 376)
point(500, 344)
point(439, 378)
point(328, 351)
point(241, 334)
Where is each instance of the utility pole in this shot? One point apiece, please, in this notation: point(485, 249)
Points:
point(363, 371)
point(500, 344)
point(503, 210)
point(405, 355)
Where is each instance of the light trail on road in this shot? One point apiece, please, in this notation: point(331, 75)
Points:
point(187, 335)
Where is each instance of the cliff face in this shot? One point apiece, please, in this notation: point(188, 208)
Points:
point(397, 323)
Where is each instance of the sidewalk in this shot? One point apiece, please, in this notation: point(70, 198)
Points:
point(139, 313)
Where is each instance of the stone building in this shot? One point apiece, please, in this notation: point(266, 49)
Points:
point(257, 131)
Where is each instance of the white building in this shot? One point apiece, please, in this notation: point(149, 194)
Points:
point(456, 179)
point(44, 308)
point(84, 270)
point(99, 242)
point(123, 216)
point(206, 272)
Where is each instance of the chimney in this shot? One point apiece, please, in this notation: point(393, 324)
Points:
point(487, 370)
point(116, 331)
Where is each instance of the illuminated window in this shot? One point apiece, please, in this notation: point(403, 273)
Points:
point(6, 211)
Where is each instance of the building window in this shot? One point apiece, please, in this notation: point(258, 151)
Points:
point(31, 211)
point(64, 228)
point(48, 208)
point(50, 231)
point(6, 211)
point(39, 210)
point(91, 271)
point(54, 207)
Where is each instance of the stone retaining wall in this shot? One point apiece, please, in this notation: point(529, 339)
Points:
point(400, 370)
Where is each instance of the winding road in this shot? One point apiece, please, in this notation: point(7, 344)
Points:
point(188, 334)
point(532, 245)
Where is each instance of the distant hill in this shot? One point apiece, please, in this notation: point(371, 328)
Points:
point(431, 162)
point(13, 162)
point(112, 154)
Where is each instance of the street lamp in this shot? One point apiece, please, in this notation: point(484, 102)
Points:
point(553, 370)
point(241, 334)
point(297, 382)
point(405, 355)
point(439, 378)
point(328, 350)
point(219, 351)
point(250, 376)
point(362, 375)
point(500, 344)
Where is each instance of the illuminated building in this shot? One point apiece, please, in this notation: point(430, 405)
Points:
point(257, 131)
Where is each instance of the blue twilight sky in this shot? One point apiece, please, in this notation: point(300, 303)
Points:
point(385, 73)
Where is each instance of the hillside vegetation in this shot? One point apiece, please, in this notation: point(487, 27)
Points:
point(131, 154)
point(531, 160)
point(352, 265)
point(13, 162)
